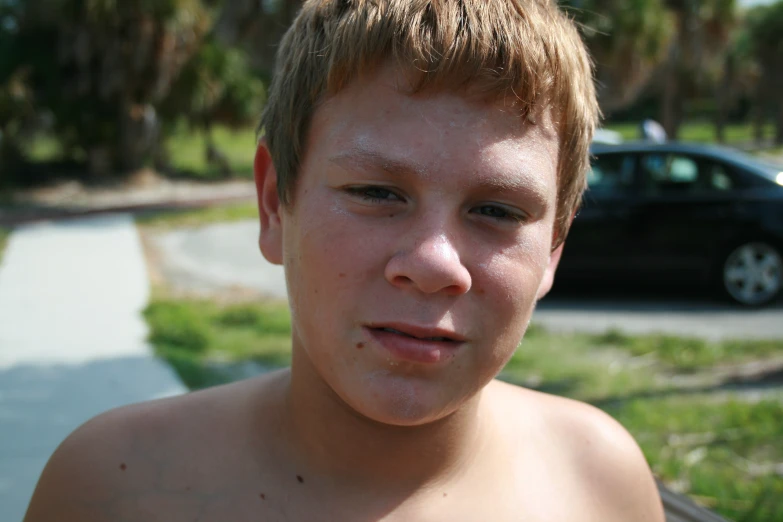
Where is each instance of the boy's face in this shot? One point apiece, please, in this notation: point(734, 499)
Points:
point(416, 247)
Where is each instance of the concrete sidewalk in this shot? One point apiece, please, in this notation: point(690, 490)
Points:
point(72, 340)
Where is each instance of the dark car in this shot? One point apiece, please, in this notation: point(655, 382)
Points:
point(680, 214)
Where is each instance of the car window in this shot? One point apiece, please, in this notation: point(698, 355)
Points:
point(678, 173)
point(610, 173)
point(718, 178)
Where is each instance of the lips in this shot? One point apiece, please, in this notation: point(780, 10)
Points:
point(414, 343)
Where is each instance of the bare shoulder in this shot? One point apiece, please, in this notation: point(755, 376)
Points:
point(139, 462)
point(603, 458)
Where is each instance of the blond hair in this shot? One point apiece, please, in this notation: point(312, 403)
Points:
point(526, 49)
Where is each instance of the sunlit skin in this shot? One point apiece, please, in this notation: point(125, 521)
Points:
point(416, 245)
point(429, 211)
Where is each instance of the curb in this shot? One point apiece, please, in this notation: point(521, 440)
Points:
point(38, 215)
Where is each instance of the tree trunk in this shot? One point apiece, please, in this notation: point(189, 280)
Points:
point(672, 102)
point(672, 88)
point(759, 118)
point(138, 136)
point(723, 97)
point(214, 156)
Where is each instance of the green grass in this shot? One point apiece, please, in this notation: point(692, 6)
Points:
point(4, 235)
point(690, 354)
point(187, 152)
point(203, 341)
point(198, 217)
point(723, 451)
point(702, 132)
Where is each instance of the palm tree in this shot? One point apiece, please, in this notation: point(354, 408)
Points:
point(100, 66)
point(628, 40)
point(703, 29)
point(765, 30)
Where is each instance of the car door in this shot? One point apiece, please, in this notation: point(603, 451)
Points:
point(596, 247)
point(685, 210)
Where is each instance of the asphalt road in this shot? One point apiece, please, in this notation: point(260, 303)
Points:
point(225, 255)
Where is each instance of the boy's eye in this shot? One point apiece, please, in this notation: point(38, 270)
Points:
point(499, 213)
point(374, 194)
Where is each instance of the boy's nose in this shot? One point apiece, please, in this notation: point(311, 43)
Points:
point(430, 264)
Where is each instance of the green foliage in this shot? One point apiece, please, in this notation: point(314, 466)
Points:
point(628, 39)
point(113, 62)
point(217, 86)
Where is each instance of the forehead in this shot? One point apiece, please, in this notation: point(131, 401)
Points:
point(378, 118)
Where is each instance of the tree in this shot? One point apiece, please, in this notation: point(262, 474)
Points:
point(628, 40)
point(216, 86)
point(100, 66)
point(765, 34)
point(257, 26)
point(702, 33)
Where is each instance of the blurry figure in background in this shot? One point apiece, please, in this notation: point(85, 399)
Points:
point(653, 131)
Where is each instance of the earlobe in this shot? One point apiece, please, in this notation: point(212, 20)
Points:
point(270, 239)
point(549, 274)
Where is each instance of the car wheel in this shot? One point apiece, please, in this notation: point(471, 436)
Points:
point(753, 274)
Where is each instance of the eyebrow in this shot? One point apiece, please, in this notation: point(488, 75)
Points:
point(370, 159)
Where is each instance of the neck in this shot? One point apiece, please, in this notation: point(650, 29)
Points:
point(329, 438)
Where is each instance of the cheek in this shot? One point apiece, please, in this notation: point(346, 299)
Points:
point(508, 282)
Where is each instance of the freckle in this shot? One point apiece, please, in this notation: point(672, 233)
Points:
point(262, 496)
point(188, 488)
point(342, 275)
point(359, 346)
point(445, 495)
point(300, 479)
point(123, 467)
point(391, 215)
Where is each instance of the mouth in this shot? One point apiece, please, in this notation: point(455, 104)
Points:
point(420, 333)
point(416, 344)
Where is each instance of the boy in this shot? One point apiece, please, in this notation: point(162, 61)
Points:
point(421, 165)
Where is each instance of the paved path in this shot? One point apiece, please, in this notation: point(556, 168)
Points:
point(226, 254)
point(72, 342)
point(685, 316)
point(218, 256)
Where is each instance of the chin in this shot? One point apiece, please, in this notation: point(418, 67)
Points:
point(400, 400)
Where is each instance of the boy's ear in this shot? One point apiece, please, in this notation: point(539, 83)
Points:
point(270, 239)
point(549, 275)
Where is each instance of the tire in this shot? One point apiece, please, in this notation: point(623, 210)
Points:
point(752, 274)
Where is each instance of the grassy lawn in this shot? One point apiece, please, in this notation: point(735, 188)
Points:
point(702, 132)
point(186, 150)
point(199, 216)
point(712, 443)
point(187, 154)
